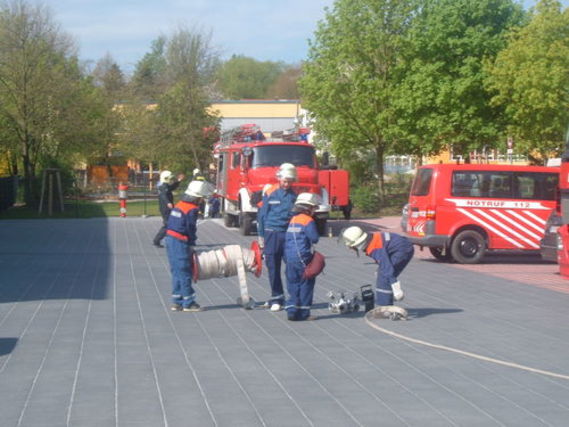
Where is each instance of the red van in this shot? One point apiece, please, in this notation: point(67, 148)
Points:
point(462, 211)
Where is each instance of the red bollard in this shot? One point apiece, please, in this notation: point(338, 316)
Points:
point(122, 198)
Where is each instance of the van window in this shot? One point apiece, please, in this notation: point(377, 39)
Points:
point(504, 185)
point(466, 184)
point(535, 186)
point(422, 182)
point(491, 184)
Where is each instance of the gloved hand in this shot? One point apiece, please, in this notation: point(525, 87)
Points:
point(398, 294)
point(261, 241)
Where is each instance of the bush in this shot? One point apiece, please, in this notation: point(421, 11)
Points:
point(365, 199)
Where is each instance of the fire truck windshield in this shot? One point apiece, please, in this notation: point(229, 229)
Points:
point(275, 155)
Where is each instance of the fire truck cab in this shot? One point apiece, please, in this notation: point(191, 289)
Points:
point(247, 160)
point(462, 211)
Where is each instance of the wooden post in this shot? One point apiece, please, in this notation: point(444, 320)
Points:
point(48, 175)
point(60, 188)
point(50, 195)
point(42, 191)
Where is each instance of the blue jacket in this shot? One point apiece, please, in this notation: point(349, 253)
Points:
point(276, 211)
point(300, 236)
point(382, 247)
point(182, 222)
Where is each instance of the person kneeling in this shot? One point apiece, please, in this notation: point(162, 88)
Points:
point(391, 251)
point(299, 238)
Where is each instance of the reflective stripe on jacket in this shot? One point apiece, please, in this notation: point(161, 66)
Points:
point(276, 211)
point(300, 236)
point(182, 222)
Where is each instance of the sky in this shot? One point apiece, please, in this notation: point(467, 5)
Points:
point(267, 30)
point(275, 30)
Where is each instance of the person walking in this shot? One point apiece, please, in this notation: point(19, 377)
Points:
point(391, 251)
point(300, 236)
point(272, 222)
point(168, 183)
point(181, 236)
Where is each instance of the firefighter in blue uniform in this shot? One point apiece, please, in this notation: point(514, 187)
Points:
point(300, 236)
point(272, 222)
point(180, 239)
point(168, 183)
point(391, 251)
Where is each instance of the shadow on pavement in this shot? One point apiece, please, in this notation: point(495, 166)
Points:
point(56, 259)
point(428, 311)
point(7, 345)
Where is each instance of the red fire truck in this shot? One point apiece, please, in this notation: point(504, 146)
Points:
point(247, 161)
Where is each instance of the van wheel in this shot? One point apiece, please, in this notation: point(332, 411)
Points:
point(441, 254)
point(245, 223)
point(468, 247)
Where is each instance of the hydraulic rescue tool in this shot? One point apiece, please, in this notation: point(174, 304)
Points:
point(342, 305)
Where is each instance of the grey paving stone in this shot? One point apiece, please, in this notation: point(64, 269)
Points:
point(87, 338)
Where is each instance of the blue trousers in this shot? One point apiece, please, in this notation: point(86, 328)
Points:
point(180, 259)
point(383, 291)
point(273, 252)
point(300, 291)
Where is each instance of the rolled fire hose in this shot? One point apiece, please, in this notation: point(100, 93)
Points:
point(228, 261)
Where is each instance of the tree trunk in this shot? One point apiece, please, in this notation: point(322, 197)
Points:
point(379, 153)
point(29, 177)
point(13, 163)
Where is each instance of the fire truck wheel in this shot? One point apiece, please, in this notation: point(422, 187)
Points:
point(440, 254)
point(468, 247)
point(245, 224)
point(229, 220)
point(321, 226)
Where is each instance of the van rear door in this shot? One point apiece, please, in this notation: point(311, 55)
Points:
point(421, 205)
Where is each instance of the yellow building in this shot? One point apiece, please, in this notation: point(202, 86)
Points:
point(269, 115)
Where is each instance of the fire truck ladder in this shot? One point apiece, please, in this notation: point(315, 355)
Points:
point(241, 133)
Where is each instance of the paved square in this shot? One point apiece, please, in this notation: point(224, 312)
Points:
point(87, 339)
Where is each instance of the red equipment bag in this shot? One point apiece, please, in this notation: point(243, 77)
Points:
point(315, 266)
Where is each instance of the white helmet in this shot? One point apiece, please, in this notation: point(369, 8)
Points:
point(201, 189)
point(354, 236)
point(287, 171)
point(196, 171)
point(309, 199)
point(166, 176)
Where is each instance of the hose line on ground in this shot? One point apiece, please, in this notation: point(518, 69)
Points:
point(370, 315)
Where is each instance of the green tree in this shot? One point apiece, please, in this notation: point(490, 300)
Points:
point(349, 78)
point(442, 100)
point(171, 131)
point(46, 100)
point(149, 77)
point(530, 79)
point(109, 79)
point(286, 84)
point(243, 77)
point(109, 76)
